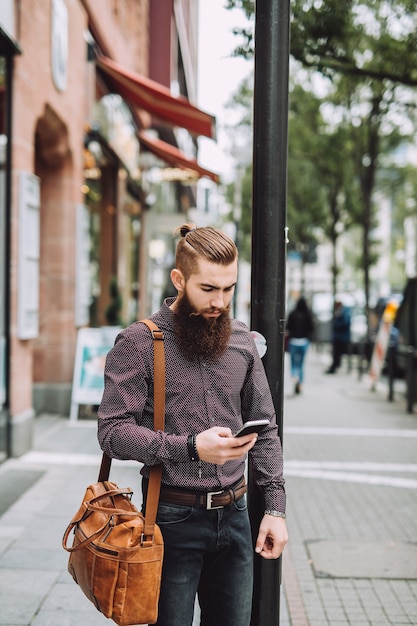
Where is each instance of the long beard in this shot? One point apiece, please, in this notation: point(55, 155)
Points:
point(199, 337)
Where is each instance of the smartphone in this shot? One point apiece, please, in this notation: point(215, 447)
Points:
point(253, 426)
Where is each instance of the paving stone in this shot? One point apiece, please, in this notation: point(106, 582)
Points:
point(337, 559)
point(22, 593)
point(13, 485)
point(335, 420)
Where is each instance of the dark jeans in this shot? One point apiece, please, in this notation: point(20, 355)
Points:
point(209, 553)
point(339, 349)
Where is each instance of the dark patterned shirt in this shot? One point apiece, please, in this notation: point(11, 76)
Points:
point(226, 392)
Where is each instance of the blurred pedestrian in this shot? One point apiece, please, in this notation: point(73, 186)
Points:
point(300, 328)
point(340, 335)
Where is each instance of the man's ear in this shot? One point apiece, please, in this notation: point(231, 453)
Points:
point(178, 279)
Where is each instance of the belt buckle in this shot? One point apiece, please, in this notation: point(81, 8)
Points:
point(209, 496)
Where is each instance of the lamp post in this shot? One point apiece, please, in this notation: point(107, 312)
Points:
point(269, 247)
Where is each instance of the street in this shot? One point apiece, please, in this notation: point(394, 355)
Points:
point(351, 470)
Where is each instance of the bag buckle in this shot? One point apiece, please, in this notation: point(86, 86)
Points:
point(209, 503)
point(145, 540)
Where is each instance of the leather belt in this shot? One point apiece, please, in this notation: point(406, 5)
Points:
point(207, 499)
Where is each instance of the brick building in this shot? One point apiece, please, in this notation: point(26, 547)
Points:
point(97, 142)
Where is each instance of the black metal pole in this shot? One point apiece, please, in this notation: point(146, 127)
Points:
point(269, 247)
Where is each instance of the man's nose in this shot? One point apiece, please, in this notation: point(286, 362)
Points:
point(218, 301)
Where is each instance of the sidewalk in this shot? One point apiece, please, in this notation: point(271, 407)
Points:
point(351, 469)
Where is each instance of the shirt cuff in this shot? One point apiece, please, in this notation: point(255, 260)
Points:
point(275, 500)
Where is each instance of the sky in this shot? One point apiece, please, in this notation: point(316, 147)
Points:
point(219, 75)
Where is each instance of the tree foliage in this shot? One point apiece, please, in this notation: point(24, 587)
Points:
point(366, 38)
point(366, 53)
point(371, 39)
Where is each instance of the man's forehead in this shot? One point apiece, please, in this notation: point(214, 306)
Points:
point(215, 274)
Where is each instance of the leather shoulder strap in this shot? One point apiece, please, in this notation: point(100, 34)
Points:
point(159, 375)
point(154, 486)
point(159, 424)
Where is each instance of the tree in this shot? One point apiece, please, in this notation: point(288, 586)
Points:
point(241, 101)
point(368, 117)
point(366, 49)
point(371, 39)
point(321, 191)
point(305, 192)
point(364, 39)
point(245, 223)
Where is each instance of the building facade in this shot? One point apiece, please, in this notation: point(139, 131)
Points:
point(98, 142)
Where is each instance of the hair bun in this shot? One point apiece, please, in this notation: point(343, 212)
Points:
point(185, 229)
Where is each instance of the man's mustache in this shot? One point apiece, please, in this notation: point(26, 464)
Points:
point(220, 310)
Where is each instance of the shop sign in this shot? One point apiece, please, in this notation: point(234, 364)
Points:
point(59, 44)
point(176, 174)
point(93, 344)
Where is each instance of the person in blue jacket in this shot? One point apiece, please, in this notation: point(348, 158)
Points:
point(340, 335)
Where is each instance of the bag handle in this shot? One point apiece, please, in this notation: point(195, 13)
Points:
point(155, 475)
point(84, 543)
point(90, 506)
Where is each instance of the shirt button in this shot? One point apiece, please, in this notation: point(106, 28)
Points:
point(209, 392)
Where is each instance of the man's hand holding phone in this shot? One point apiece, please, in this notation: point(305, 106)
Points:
point(218, 444)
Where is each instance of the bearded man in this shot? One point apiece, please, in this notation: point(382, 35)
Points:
point(215, 381)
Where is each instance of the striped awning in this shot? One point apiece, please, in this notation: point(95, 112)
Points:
point(157, 99)
point(172, 155)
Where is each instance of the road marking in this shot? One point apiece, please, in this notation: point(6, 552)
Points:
point(352, 477)
point(56, 458)
point(349, 432)
point(353, 472)
point(364, 466)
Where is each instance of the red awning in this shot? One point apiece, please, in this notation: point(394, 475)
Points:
point(174, 156)
point(157, 99)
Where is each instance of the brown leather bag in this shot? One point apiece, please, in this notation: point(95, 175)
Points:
point(116, 555)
